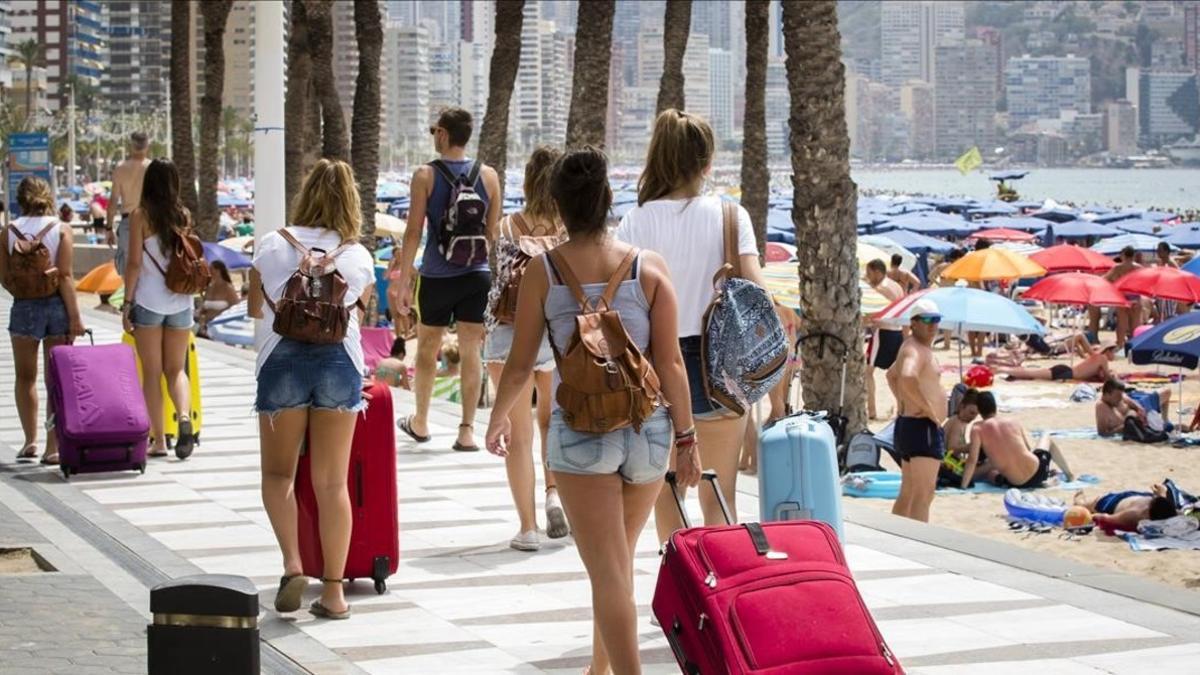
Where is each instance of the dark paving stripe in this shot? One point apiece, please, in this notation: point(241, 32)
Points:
point(497, 580)
point(895, 574)
point(413, 469)
point(956, 609)
point(424, 499)
point(468, 486)
point(192, 553)
point(438, 524)
point(225, 488)
point(179, 527)
point(224, 469)
point(91, 486)
point(659, 655)
point(375, 652)
point(148, 505)
point(1031, 652)
point(546, 616)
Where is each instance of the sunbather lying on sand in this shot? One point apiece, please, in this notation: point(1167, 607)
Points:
point(1124, 510)
point(1114, 405)
point(1092, 369)
point(1012, 461)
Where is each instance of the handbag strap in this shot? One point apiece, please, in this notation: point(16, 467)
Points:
point(729, 224)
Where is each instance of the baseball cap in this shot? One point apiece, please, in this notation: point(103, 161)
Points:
point(924, 307)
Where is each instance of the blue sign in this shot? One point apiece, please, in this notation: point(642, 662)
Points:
point(28, 155)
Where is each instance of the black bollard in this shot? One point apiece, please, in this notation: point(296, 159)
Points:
point(204, 624)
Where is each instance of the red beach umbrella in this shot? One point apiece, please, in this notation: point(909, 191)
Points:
point(1004, 234)
point(1076, 288)
point(1167, 283)
point(1071, 258)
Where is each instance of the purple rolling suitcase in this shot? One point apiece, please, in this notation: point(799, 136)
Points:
point(100, 416)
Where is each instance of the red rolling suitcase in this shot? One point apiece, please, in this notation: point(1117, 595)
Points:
point(771, 598)
point(375, 538)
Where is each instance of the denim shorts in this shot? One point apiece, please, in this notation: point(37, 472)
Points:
point(302, 375)
point(39, 318)
point(703, 408)
point(144, 318)
point(639, 458)
point(499, 343)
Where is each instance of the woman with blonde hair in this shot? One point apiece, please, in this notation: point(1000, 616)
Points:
point(47, 317)
point(686, 229)
point(324, 395)
point(539, 227)
point(159, 319)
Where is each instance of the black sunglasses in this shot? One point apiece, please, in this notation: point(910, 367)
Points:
point(928, 320)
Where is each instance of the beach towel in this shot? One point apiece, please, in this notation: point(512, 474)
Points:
point(1079, 434)
point(1012, 403)
point(886, 485)
point(1150, 377)
point(1180, 533)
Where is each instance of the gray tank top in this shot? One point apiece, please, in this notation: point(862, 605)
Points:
point(561, 308)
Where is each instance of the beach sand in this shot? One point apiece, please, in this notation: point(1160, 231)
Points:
point(1119, 465)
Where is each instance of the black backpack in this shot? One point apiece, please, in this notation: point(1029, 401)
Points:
point(462, 234)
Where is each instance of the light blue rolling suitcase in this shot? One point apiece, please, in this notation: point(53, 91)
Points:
point(798, 472)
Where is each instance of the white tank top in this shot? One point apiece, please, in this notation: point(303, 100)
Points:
point(30, 226)
point(152, 292)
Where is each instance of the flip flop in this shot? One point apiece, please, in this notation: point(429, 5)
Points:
point(459, 447)
point(27, 453)
point(322, 612)
point(290, 593)
point(186, 441)
point(406, 426)
point(50, 460)
point(158, 453)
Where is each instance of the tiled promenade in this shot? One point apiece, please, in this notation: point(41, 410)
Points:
point(462, 601)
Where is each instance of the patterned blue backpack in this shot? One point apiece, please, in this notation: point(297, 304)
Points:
point(744, 346)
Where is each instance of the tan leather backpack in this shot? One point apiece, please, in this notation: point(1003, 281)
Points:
point(313, 307)
point(31, 273)
point(187, 271)
point(607, 384)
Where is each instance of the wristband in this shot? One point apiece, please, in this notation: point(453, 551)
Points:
point(684, 443)
point(686, 434)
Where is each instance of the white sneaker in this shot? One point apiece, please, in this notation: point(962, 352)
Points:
point(526, 541)
point(556, 518)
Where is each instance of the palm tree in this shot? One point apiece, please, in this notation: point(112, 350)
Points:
point(183, 149)
point(506, 56)
point(756, 178)
point(215, 14)
point(333, 122)
point(29, 54)
point(824, 204)
point(364, 124)
point(587, 118)
point(295, 103)
point(677, 23)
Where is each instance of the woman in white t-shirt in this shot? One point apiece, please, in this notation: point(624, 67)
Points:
point(33, 321)
point(159, 318)
point(312, 388)
point(686, 229)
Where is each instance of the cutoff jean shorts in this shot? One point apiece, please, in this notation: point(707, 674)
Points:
point(302, 375)
point(637, 457)
point(498, 344)
point(144, 318)
point(39, 318)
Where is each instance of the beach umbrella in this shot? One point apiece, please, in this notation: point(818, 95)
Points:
point(1140, 242)
point(1003, 234)
point(1055, 215)
point(866, 253)
point(1082, 229)
point(1076, 288)
point(102, 279)
point(992, 209)
point(907, 259)
point(1141, 226)
point(993, 264)
point(389, 225)
point(1025, 248)
point(1192, 266)
point(240, 244)
point(918, 243)
point(1161, 217)
point(783, 282)
point(1071, 258)
point(1184, 236)
point(234, 260)
point(939, 225)
point(1166, 283)
point(1023, 224)
point(779, 252)
point(1175, 342)
point(1116, 216)
point(233, 326)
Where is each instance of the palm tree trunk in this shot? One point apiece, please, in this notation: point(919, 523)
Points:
point(677, 24)
point(364, 153)
point(587, 119)
point(312, 132)
point(215, 14)
point(28, 95)
point(183, 147)
point(506, 56)
point(320, 35)
point(824, 205)
point(295, 104)
point(756, 178)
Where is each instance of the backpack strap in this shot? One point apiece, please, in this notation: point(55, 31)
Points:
point(45, 230)
point(291, 239)
point(614, 283)
point(568, 277)
point(729, 223)
point(153, 259)
point(517, 226)
point(473, 173)
point(441, 167)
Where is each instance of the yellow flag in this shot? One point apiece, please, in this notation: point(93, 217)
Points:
point(969, 161)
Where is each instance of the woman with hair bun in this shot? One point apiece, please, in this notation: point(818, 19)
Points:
point(608, 482)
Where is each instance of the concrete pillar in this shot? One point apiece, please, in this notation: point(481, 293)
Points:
point(270, 211)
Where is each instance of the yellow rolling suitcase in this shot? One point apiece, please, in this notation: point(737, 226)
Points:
point(170, 416)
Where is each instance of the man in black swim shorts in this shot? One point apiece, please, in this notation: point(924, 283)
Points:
point(884, 344)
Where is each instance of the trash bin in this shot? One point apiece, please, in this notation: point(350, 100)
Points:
point(206, 623)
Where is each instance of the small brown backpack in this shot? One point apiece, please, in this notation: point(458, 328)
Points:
point(607, 384)
point(31, 273)
point(187, 271)
point(313, 307)
point(522, 247)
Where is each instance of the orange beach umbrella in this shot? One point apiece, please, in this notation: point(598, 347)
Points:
point(102, 279)
point(993, 264)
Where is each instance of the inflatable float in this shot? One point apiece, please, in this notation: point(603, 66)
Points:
point(873, 484)
point(1030, 507)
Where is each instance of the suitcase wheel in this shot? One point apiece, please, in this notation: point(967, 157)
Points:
point(142, 468)
point(66, 472)
point(380, 586)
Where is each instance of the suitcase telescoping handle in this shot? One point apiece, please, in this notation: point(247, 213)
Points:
point(755, 530)
point(91, 338)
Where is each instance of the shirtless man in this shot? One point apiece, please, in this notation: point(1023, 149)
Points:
point(915, 381)
point(127, 194)
point(1124, 510)
point(958, 441)
point(1129, 317)
point(1092, 369)
point(908, 281)
point(1115, 405)
point(884, 343)
point(1011, 460)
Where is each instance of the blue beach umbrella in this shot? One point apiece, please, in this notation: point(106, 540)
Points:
point(1014, 223)
point(234, 260)
point(1082, 229)
point(1055, 215)
point(1116, 216)
point(967, 309)
point(1141, 226)
point(1143, 243)
point(1175, 342)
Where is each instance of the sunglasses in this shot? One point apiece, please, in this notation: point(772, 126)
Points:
point(928, 320)
point(433, 131)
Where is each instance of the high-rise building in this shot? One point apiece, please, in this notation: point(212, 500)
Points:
point(1040, 87)
point(778, 108)
point(345, 56)
point(720, 86)
point(6, 51)
point(910, 31)
point(474, 66)
point(446, 18)
point(965, 98)
point(562, 12)
point(139, 56)
point(1169, 106)
point(714, 19)
point(525, 117)
point(443, 75)
point(697, 80)
point(73, 39)
point(478, 23)
point(558, 53)
point(406, 89)
point(239, 49)
point(1120, 128)
point(917, 105)
point(1191, 34)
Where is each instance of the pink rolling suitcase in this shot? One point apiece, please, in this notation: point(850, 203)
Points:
point(100, 416)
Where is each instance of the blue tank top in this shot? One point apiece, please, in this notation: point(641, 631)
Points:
point(432, 263)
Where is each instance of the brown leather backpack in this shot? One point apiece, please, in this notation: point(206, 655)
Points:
point(187, 271)
point(607, 384)
point(30, 272)
point(313, 307)
point(525, 247)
